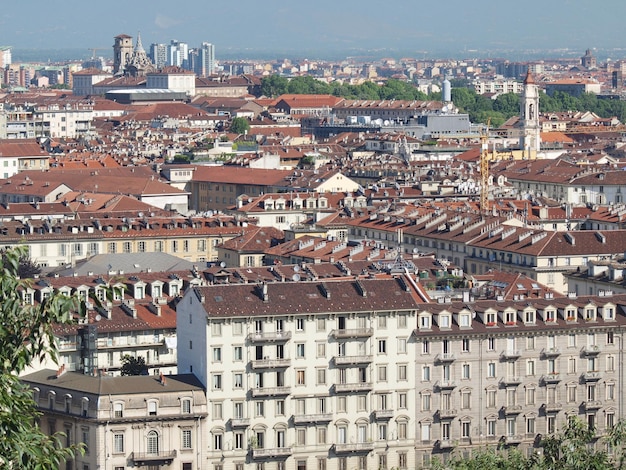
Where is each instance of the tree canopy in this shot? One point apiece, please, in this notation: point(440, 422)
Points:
point(134, 365)
point(570, 449)
point(239, 125)
point(26, 334)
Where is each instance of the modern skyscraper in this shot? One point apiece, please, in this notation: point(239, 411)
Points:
point(177, 53)
point(158, 55)
point(205, 64)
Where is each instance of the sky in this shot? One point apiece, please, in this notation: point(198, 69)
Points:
point(322, 28)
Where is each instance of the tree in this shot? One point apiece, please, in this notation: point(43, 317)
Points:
point(134, 365)
point(239, 125)
point(26, 334)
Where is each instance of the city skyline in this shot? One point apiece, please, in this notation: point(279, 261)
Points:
point(325, 29)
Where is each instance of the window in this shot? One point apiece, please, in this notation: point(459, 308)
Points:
point(186, 439)
point(118, 410)
point(425, 347)
point(530, 425)
point(491, 369)
point(238, 353)
point(402, 321)
point(382, 346)
point(530, 367)
point(300, 350)
point(341, 404)
point(402, 400)
point(321, 435)
point(152, 443)
point(217, 410)
point(238, 380)
point(491, 344)
point(382, 373)
point(300, 380)
point(320, 376)
point(402, 372)
point(321, 349)
point(152, 408)
point(466, 402)
point(217, 381)
point(530, 396)
point(401, 345)
point(299, 324)
point(465, 371)
point(118, 442)
point(465, 345)
point(218, 441)
point(217, 354)
point(491, 398)
point(425, 373)
point(321, 324)
point(85, 433)
point(610, 391)
point(465, 429)
point(426, 401)
point(259, 409)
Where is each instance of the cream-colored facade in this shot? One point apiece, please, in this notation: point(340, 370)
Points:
point(318, 387)
point(124, 422)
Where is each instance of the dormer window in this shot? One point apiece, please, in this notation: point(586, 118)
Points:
point(509, 317)
point(490, 319)
point(51, 399)
point(550, 315)
point(570, 314)
point(425, 321)
point(590, 313)
point(152, 408)
point(444, 320)
point(529, 317)
point(608, 313)
point(186, 405)
point(465, 320)
point(84, 407)
point(118, 410)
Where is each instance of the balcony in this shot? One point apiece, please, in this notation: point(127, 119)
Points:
point(313, 419)
point(445, 384)
point(270, 363)
point(507, 381)
point(274, 452)
point(239, 422)
point(445, 358)
point(352, 360)
point(352, 333)
point(590, 350)
point(353, 448)
point(592, 405)
point(445, 444)
point(383, 414)
point(447, 414)
point(152, 458)
point(551, 378)
point(353, 387)
point(551, 353)
point(511, 355)
point(269, 337)
point(512, 409)
point(591, 376)
point(552, 407)
point(270, 391)
point(513, 439)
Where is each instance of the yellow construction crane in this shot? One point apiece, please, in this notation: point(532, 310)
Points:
point(484, 169)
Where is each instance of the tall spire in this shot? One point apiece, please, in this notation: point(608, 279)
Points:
point(139, 47)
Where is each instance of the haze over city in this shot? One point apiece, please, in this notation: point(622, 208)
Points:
point(325, 28)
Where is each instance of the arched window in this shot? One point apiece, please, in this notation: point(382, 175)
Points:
point(153, 443)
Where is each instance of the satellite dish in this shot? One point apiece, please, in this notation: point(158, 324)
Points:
point(223, 264)
point(296, 269)
point(98, 317)
point(295, 277)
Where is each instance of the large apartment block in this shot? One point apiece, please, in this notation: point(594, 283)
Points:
point(365, 372)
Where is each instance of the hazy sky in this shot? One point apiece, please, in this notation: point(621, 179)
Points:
point(316, 28)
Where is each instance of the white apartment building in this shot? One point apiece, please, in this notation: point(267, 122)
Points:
point(497, 86)
point(304, 375)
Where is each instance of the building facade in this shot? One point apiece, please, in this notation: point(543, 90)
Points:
point(124, 422)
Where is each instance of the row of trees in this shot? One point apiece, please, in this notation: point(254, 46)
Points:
point(479, 107)
point(276, 85)
point(570, 449)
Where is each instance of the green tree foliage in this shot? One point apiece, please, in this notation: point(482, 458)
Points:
point(239, 125)
point(26, 335)
point(569, 449)
point(134, 365)
point(273, 86)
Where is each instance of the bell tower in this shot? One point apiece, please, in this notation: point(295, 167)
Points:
point(122, 52)
point(530, 139)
